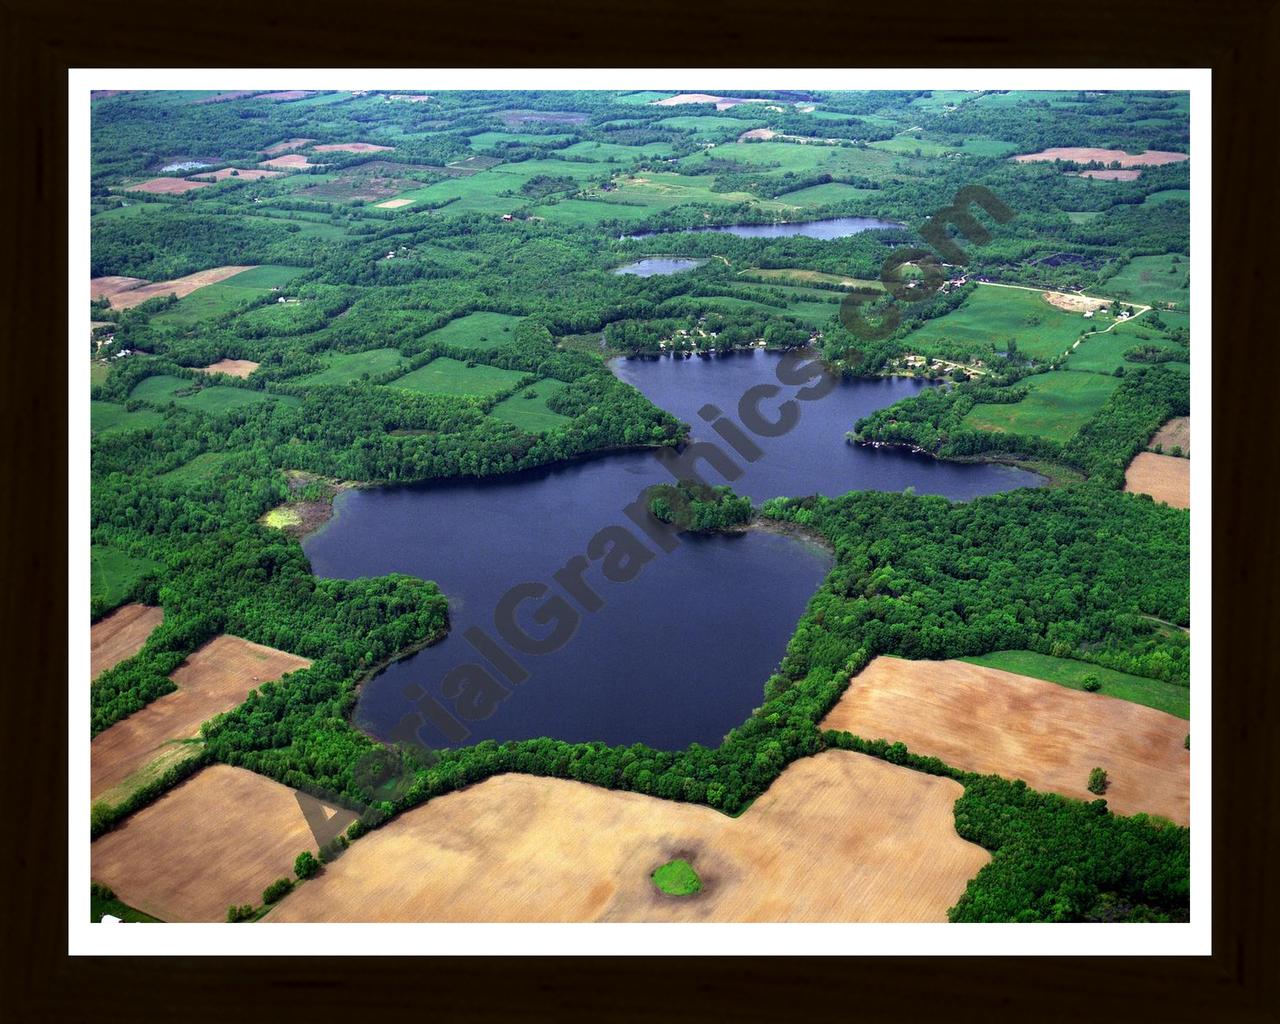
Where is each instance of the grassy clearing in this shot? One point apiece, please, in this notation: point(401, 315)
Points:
point(109, 417)
point(827, 194)
point(480, 331)
point(709, 125)
point(1169, 195)
point(677, 878)
point(527, 408)
point(113, 574)
point(609, 151)
point(993, 315)
point(589, 212)
point(1155, 280)
point(1176, 700)
point(803, 158)
point(1059, 404)
point(445, 376)
point(219, 299)
point(162, 389)
point(490, 140)
point(1102, 353)
point(344, 367)
point(659, 191)
point(205, 466)
point(1083, 216)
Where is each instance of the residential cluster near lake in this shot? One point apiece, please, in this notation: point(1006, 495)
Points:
point(640, 506)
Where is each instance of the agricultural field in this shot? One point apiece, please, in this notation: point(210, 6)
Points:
point(345, 367)
point(479, 331)
point(1175, 433)
point(214, 679)
point(1162, 281)
point(839, 837)
point(224, 297)
point(125, 293)
point(217, 839)
point(527, 408)
point(990, 317)
point(113, 418)
point(120, 635)
point(987, 720)
point(113, 574)
point(1167, 478)
point(205, 466)
point(1059, 404)
point(827, 194)
point(445, 376)
point(162, 389)
point(1154, 693)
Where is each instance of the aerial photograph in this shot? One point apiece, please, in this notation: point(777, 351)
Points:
point(637, 506)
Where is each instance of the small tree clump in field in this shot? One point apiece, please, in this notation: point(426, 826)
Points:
point(305, 865)
point(240, 913)
point(276, 890)
point(1092, 683)
point(1187, 742)
point(1098, 781)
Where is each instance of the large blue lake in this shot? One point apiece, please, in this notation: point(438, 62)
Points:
point(677, 654)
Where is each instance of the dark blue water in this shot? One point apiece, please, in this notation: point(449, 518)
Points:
point(656, 265)
point(677, 654)
point(834, 227)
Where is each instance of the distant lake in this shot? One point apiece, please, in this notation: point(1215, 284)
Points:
point(834, 227)
point(678, 654)
point(656, 265)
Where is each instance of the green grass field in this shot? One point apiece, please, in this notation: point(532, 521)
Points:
point(677, 878)
point(589, 212)
point(445, 376)
point(527, 408)
point(1102, 353)
point(606, 151)
point(488, 140)
point(1154, 693)
point(107, 417)
point(779, 157)
point(990, 317)
point(219, 299)
point(1153, 280)
point(483, 330)
point(205, 466)
point(1169, 195)
point(826, 194)
point(113, 574)
point(1059, 404)
point(709, 125)
point(659, 191)
point(344, 367)
point(162, 389)
point(1083, 216)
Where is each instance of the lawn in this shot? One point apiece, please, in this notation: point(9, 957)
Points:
point(344, 367)
point(217, 300)
point(1155, 280)
point(1154, 693)
point(113, 574)
point(677, 878)
point(990, 317)
point(527, 408)
point(107, 417)
point(445, 376)
point(483, 330)
point(1060, 403)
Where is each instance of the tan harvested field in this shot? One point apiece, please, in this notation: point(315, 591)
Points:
point(120, 635)
point(166, 186)
point(1073, 303)
point(1176, 431)
point(394, 204)
point(110, 287)
point(989, 721)
point(353, 147)
point(1166, 478)
point(757, 133)
point(216, 678)
point(288, 94)
point(239, 173)
point(1119, 175)
point(1087, 154)
point(290, 162)
point(284, 146)
point(838, 837)
point(220, 837)
point(233, 367)
point(179, 286)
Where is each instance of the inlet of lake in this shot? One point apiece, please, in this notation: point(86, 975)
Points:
point(832, 227)
point(677, 654)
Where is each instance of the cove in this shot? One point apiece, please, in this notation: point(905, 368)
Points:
point(655, 266)
point(679, 653)
point(825, 230)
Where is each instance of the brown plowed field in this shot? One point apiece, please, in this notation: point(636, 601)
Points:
point(1087, 154)
point(216, 678)
point(113, 286)
point(838, 837)
point(1166, 478)
point(239, 173)
point(284, 146)
point(166, 186)
point(1176, 431)
point(290, 162)
point(136, 295)
point(220, 837)
point(233, 367)
point(989, 721)
point(288, 94)
point(120, 635)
